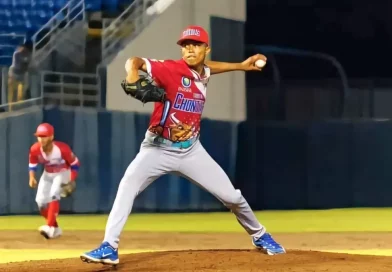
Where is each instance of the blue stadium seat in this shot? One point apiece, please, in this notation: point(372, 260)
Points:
point(20, 13)
point(47, 5)
point(15, 6)
point(38, 21)
point(7, 50)
point(10, 40)
point(110, 5)
point(93, 5)
point(125, 2)
point(58, 4)
point(17, 26)
point(5, 14)
point(21, 2)
point(4, 3)
point(5, 61)
point(3, 29)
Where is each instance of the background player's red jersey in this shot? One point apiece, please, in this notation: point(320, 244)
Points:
point(178, 119)
point(60, 159)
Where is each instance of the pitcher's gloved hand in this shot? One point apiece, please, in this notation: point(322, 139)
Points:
point(144, 90)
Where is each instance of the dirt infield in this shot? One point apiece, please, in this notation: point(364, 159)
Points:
point(208, 252)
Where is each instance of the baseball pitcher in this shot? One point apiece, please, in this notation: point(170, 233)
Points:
point(57, 180)
point(171, 143)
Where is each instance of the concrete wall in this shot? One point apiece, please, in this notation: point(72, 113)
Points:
point(276, 165)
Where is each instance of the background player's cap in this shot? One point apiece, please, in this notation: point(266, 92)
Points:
point(44, 130)
point(194, 33)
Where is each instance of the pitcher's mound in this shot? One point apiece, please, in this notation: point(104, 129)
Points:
point(219, 260)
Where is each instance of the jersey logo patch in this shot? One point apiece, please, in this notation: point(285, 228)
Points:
point(186, 82)
point(179, 131)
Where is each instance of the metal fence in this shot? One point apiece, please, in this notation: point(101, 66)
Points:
point(71, 89)
point(31, 95)
point(56, 88)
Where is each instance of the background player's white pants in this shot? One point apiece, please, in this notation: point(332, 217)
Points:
point(196, 165)
point(49, 187)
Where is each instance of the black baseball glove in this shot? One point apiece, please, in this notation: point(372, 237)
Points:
point(144, 90)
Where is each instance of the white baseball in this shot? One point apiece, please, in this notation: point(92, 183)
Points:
point(260, 63)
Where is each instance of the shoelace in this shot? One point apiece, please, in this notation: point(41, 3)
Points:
point(267, 239)
point(99, 249)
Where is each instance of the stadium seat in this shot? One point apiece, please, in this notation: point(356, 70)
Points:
point(93, 5)
point(5, 3)
point(110, 5)
point(5, 61)
point(125, 2)
point(58, 4)
point(8, 51)
point(47, 5)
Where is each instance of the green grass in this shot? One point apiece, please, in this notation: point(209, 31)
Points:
point(336, 220)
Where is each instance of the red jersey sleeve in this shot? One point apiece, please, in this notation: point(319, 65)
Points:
point(33, 157)
point(159, 70)
point(70, 158)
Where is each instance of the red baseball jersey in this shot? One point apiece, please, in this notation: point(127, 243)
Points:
point(178, 119)
point(60, 159)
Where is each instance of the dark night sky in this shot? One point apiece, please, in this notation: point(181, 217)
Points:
point(358, 33)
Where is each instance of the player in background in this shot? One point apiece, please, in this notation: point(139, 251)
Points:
point(172, 145)
point(57, 180)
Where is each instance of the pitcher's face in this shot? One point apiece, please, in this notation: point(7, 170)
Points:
point(194, 53)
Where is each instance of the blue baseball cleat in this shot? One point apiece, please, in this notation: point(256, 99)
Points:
point(105, 254)
point(268, 244)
